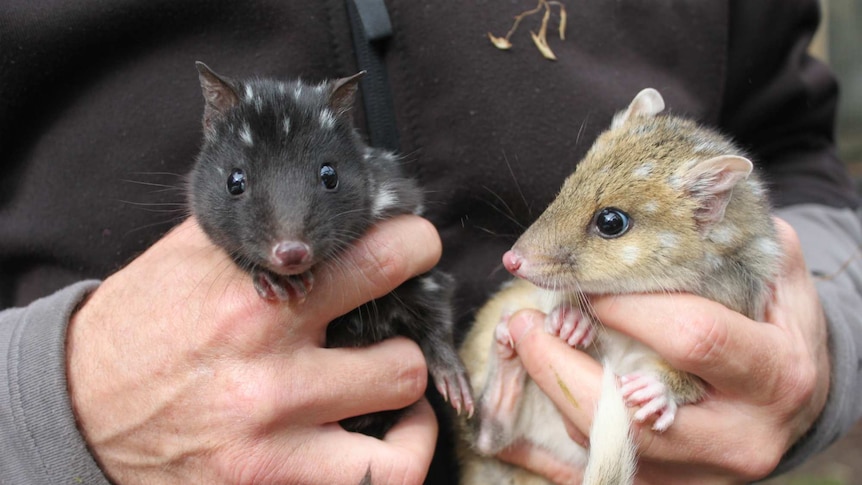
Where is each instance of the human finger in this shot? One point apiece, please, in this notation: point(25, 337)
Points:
point(701, 434)
point(541, 461)
point(390, 253)
point(403, 456)
point(414, 436)
point(326, 385)
point(699, 336)
point(571, 378)
point(733, 353)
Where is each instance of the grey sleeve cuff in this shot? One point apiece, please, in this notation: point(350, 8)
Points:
point(39, 440)
point(830, 239)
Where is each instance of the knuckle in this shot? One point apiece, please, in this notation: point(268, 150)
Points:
point(702, 340)
point(645, 439)
point(412, 387)
point(384, 261)
point(804, 385)
point(412, 376)
point(788, 236)
point(252, 394)
point(394, 253)
point(756, 459)
point(793, 259)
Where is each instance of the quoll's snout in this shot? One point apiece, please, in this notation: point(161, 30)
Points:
point(513, 261)
point(291, 257)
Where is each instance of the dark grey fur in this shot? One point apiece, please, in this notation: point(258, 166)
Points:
point(284, 199)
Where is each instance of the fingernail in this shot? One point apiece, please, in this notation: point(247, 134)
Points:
point(521, 323)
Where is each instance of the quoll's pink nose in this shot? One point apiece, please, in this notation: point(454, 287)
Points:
point(291, 253)
point(512, 261)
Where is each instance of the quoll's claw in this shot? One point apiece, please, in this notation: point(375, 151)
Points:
point(293, 288)
point(505, 343)
point(455, 388)
point(571, 325)
point(268, 286)
point(300, 285)
point(654, 398)
point(467, 397)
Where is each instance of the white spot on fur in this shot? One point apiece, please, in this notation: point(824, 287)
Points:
point(327, 119)
point(282, 88)
point(429, 285)
point(650, 207)
point(249, 92)
point(714, 261)
point(756, 188)
point(767, 246)
point(285, 125)
point(245, 135)
point(675, 182)
point(668, 240)
point(367, 153)
point(384, 199)
point(723, 235)
point(297, 91)
point(643, 171)
point(630, 254)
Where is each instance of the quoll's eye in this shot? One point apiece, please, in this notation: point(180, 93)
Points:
point(328, 176)
point(612, 222)
point(236, 182)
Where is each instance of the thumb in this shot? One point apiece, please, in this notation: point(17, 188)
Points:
point(570, 377)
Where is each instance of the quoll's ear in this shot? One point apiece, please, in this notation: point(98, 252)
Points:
point(648, 102)
point(711, 183)
point(219, 94)
point(343, 93)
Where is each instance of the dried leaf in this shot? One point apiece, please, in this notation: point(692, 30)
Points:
point(562, 22)
point(543, 30)
point(501, 43)
point(543, 47)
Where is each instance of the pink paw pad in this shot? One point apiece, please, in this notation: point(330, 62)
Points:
point(653, 397)
point(571, 325)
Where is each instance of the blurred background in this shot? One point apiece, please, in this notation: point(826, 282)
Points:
point(838, 43)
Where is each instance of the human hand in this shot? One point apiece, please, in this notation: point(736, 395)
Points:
point(180, 373)
point(767, 381)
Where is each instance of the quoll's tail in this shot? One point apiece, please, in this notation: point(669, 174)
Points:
point(613, 454)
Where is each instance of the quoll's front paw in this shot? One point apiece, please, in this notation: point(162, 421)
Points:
point(272, 286)
point(571, 325)
point(654, 398)
point(454, 386)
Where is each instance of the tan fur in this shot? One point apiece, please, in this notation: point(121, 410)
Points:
point(688, 387)
point(514, 296)
point(575, 258)
point(475, 351)
point(700, 223)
